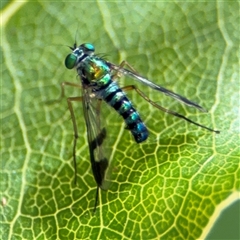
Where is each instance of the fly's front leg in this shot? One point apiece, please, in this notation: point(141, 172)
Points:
point(63, 85)
point(70, 107)
point(132, 87)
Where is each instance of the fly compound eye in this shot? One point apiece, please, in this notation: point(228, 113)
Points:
point(70, 61)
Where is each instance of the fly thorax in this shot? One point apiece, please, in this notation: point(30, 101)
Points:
point(94, 69)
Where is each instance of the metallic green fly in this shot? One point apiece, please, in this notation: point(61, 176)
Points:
point(97, 81)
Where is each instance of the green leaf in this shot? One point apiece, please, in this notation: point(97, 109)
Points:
point(168, 187)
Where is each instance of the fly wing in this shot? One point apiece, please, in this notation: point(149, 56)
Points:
point(145, 81)
point(95, 136)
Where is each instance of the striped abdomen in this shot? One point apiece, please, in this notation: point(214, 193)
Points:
point(116, 98)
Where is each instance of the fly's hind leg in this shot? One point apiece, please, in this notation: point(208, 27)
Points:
point(133, 87)
point(121, 65)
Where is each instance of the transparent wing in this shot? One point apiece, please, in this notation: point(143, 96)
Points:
point(145, 81)
point(95, 136)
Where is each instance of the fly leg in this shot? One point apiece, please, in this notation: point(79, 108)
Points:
point(118, 74)
point(70, 107)
point(62, 95)
point(133, 87)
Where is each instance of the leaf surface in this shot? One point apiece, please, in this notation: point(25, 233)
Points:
point(167, 187)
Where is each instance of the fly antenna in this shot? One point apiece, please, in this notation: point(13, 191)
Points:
point(75, 41)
